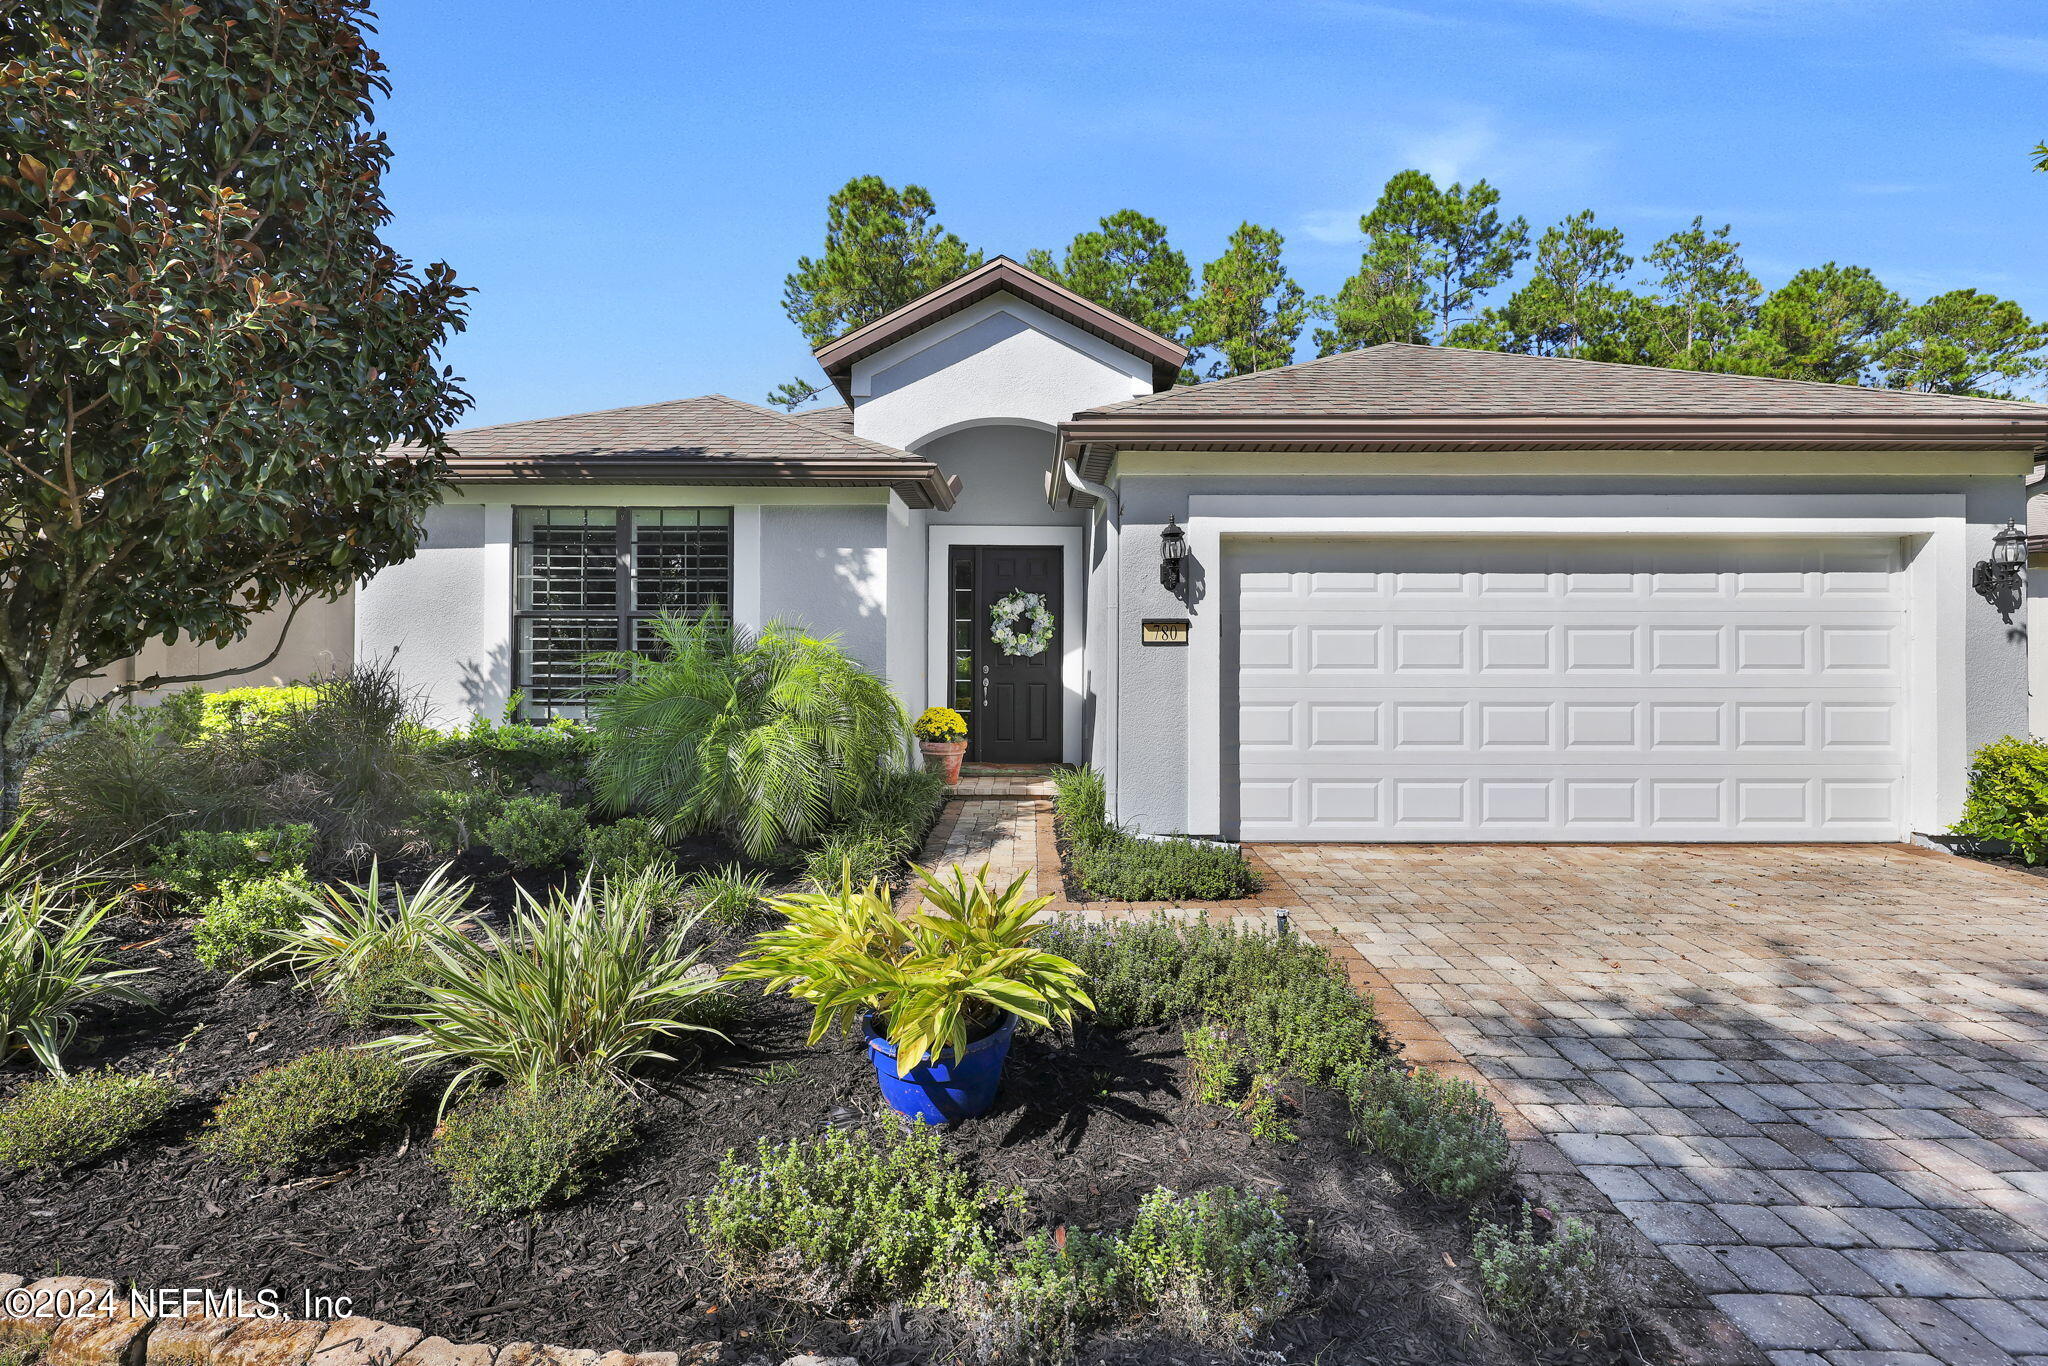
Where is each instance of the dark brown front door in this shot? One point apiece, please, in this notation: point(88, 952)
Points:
point(1011, 701)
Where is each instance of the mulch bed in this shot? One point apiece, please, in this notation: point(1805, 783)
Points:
point(1084, 1126)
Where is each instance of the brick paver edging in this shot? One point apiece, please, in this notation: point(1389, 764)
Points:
point(92, 1323)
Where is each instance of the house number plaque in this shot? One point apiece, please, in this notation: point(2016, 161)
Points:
point(1165, 631)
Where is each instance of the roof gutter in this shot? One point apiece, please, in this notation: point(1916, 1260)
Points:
point(919, 483)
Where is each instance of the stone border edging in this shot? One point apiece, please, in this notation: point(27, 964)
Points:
point(110, 1333)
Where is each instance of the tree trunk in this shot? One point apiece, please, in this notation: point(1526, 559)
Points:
point(13, 769)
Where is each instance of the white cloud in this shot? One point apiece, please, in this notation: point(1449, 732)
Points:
point(2028, 55)
point(1716, 13)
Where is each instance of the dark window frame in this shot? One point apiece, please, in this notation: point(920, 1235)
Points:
point(624, 612)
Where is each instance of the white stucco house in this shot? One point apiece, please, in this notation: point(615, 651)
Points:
point(1428, 594)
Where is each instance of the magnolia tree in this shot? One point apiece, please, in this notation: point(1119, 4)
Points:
point(205, 348)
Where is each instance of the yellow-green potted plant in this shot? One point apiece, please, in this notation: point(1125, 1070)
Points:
point(938, 989)
point(942, 738)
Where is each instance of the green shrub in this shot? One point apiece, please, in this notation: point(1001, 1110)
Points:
point(358, 759)
point(352, 761)
point(728, 898)
point(1217, 1062)
point(550, 757)
point(2007, 801)
point(200, 864)
point(771, 738)
point(1551, 1291)
point(536, 832)
point(1444, 1135)
point(1264, 1099)
point(243, 922)
point(579, 982)
point(1081, 804)
point(844, 1221)
point(362, 950)
point(128, 777)
point(908, 801)
point(520, 1147)
point(1037, 1303)
point(53, 962)
point(1215, 1267)
point(1280, 998)
point(625, 847)
point(55, 1122)
point(304, 1109)
point(256, 708)
point(1116, 866)
point(882, 839)
point(454, 820)
point(1122, 868)
point(856, 855)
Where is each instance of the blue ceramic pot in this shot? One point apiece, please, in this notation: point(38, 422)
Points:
point(946, 1088)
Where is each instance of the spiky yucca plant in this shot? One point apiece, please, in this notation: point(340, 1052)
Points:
point(582, 983)
point(932, 976)
point(769, 737)
point(53, 960)
point(352, 934)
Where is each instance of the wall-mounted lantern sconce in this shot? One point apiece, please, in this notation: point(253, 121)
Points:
point(1999, 579)
point(1173, 548)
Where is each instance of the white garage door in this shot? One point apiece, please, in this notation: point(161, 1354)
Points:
point(1590, 689)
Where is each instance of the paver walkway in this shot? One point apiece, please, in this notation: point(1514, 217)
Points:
point(1817, 1077)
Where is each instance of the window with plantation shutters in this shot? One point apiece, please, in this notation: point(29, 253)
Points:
point(590, 579)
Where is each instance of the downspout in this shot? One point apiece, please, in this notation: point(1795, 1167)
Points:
point(1112, 520)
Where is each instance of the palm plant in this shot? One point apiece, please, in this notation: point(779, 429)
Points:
point(351, 940)
point(770, 737)
point(581, 983)
point(933, 977)
point(52, 963)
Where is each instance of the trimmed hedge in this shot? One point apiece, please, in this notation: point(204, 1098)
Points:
point(1111, 864)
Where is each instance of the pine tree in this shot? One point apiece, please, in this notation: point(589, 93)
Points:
point(1250, 311)
point(1704, 299)
point(1126, 265)
point(1575, 302)
point(882, 250)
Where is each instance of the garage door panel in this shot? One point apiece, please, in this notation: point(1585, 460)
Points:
point(1579, 689)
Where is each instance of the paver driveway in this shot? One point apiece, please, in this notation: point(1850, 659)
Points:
point(1816, 1076)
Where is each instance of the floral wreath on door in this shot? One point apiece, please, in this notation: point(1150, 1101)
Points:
point(1021, 623)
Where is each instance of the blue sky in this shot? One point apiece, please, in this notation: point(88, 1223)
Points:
point(626, 191)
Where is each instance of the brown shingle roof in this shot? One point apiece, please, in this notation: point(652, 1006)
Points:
point(1444, 399)
point(713, 439)
point(838, 417)
point(1402, 380)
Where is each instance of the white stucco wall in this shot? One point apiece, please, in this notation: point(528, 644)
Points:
point(2037, 660)
point(999, 361)
point(816, 555)
point(1987, 694)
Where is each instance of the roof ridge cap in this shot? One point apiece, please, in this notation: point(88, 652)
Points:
point(893, 452)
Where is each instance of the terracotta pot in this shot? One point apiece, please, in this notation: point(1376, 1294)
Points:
point(943, 758)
